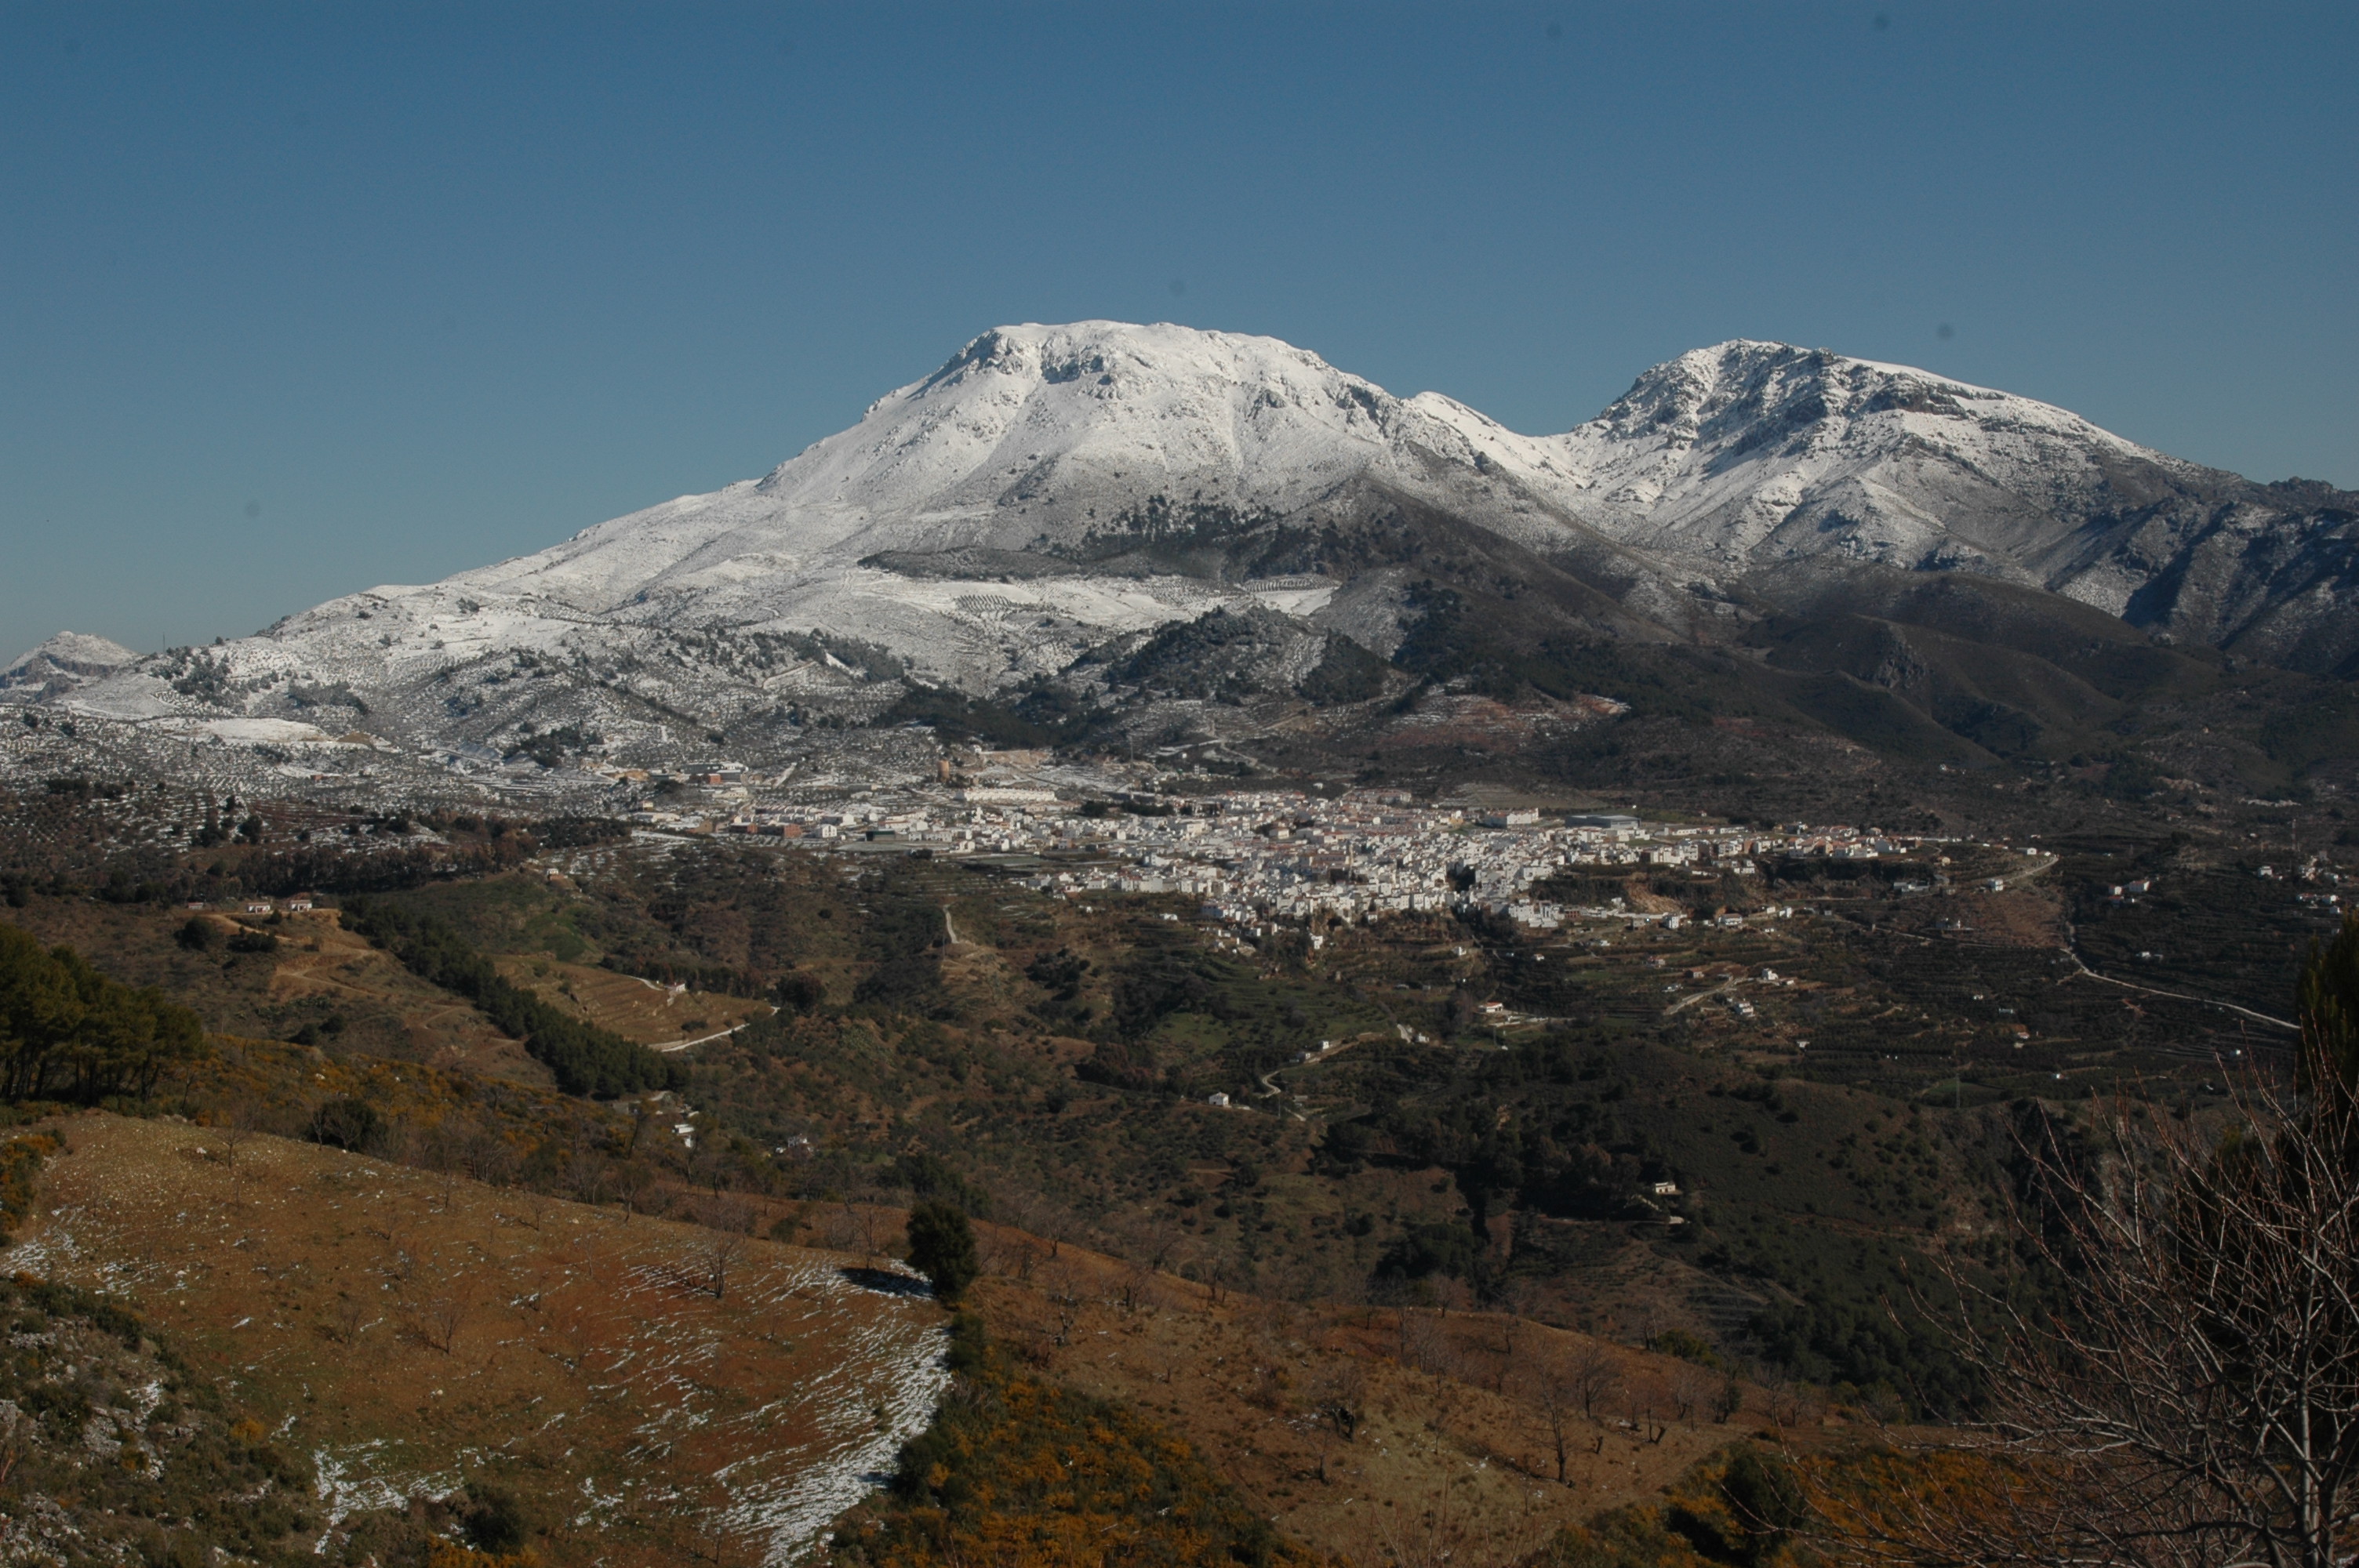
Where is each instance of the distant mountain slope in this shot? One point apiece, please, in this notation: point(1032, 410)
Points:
point(1033, 509)
point(67, 660)
point(1753, 454)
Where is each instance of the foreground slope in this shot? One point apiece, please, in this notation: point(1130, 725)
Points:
point(414, 1334)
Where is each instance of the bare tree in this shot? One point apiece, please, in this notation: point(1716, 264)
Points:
point(440, 1151)
point(732, 1213)
point(1788, 1401)
point(1689, 1387)
point(1015, 1254)
point(1643, 1398)
point(1595, 1373)
point(586, 1175)
point(728, 1220)
point(441, 1318)
point(1337, 1398)
point(645, 1112)
point(1514, 1334)
point(631, 1183)
point(873, 1231)
point(1550, 1383)
point(715, 1256)
point(1444, 1530)
point(1063, 1289)
point(487, 1157)
point(2195, 1398)
point(840, 1231)
point(347, 1316)
point(1422, 1342)
point(531, 1209)
point(1137, 1288)
point(233, 1136)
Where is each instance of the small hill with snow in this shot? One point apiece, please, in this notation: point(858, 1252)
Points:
point(64, 662)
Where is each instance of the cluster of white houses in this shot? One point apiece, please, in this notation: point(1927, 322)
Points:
point(1251, 857)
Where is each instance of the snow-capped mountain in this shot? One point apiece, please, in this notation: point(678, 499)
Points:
point(1757, 455)
point(1050, 491)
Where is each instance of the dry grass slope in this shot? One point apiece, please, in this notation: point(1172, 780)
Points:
point(651, 1391)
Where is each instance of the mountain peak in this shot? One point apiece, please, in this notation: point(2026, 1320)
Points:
point(1105, 351)
point(1112, 411)
point(77, 650)
point(1750, 391)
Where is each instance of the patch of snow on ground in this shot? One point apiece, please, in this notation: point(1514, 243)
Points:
point(346, 1494)
point(879, 1395)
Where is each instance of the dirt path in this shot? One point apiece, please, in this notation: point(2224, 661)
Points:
point(707, 1039)
point(2081, 968)
point(1722, 989)
point(2008, 879)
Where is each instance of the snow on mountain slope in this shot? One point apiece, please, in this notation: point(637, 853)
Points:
point(1737, 459)
point(952, 534)
point(64, 662)
point(1726, 460)
point(1756, 451)
point(1029, 429)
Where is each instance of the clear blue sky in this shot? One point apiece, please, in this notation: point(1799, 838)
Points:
point(296, 299)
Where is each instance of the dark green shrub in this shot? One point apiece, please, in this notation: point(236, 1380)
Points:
point(495, 1521)
point(941, 1247)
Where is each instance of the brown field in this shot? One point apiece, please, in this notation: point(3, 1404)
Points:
point(320, 962)
point(321, 971)
point(653, 1390)
point(639, 1011)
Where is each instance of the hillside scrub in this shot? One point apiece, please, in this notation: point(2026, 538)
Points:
point(68, 1033)
point(1015, 1469)
point(20, 1168)
point(1744, 1508)
point(112, 1449)
point(335, 1297)
point(2195, 1397)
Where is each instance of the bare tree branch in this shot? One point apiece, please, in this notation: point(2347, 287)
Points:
point(2191, 1396)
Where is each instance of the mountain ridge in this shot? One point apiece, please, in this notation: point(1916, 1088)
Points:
point(1051, 491)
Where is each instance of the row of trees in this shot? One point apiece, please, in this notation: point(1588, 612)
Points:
point(68, 1032)
point(586, 1060)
